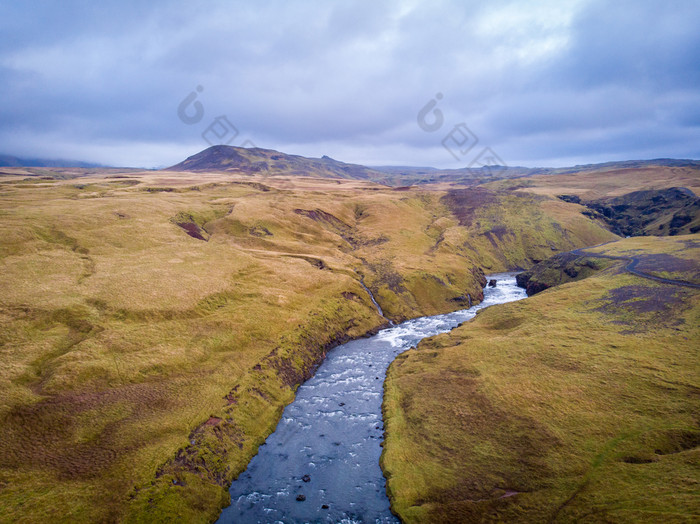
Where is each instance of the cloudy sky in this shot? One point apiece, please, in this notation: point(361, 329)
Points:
point(540, 83)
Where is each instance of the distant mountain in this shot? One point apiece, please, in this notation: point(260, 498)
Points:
point(627, 164)
point(397, 170)
point(265, 162)
point(257, 161)
point(471, 175)
point(13, 161)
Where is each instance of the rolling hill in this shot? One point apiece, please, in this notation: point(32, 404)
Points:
point(156, 323)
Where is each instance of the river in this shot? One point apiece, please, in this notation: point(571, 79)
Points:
point(322, 462)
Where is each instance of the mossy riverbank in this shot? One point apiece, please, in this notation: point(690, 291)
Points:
point(577, 403)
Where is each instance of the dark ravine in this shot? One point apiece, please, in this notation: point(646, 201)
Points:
point(322, 462)
point(672, 211)
point(579, 264)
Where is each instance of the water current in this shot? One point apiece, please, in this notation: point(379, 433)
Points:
point(322, 462)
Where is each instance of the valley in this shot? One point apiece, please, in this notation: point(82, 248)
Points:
point(155, 324)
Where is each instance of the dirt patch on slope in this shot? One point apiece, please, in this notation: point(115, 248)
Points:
point(327, 219)
point(188, 224)
point(655, 263)
point(192, 230)
point(644, 299)
point(646, 307)
point(463, 202)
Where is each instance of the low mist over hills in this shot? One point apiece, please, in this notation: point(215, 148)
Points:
point(13, 161)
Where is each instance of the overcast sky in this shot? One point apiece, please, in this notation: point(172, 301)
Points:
point(540, 83)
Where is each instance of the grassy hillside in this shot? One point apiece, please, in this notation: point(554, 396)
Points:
point(155, 324)
point(579, 403)
point(508, 229)
point(470, 176)
point(629, 200)
point(610, 181)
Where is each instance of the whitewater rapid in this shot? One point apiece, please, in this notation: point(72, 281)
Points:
point(322, 462)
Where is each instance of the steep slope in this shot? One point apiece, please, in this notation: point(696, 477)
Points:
point(560, 269)
point(510, 229)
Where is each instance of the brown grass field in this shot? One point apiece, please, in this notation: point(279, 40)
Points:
point(155, 324)
point(606, 182)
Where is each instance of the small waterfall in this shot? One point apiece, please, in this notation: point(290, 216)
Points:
point(371, 297)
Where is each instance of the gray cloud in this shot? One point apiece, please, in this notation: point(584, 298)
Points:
point(542, 83)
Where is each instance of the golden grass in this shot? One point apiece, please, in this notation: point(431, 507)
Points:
point(142, 367)
point(606, 182)
point(579, 403)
